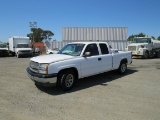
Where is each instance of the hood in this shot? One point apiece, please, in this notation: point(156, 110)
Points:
point(51, 58)
point(21, 49)
point(137, 44)
point(3, 48)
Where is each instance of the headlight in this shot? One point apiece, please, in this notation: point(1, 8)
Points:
point(43, 68)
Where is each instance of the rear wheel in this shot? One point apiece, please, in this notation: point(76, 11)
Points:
point(66, 80)
point(122, 68)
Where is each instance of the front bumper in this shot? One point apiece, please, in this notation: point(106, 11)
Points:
point(25, 53)
point(41, 78)
point(137, 53)
point(4, 53)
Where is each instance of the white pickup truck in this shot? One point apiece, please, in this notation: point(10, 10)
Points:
point(77, 60)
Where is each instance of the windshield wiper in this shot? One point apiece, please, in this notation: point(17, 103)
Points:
point(66, 53)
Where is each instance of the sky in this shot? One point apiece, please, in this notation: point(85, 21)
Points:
point(137, 15)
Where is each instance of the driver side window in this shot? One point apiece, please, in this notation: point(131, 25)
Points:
point(93, 49)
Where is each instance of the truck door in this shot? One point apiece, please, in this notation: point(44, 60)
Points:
point(150, 44)
point(91, 65)
point(106, 58)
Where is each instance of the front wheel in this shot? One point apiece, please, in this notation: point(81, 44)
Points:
point(158, 54)
point(13, 54)
point(146, 55)
point(39, 53)
point(122, 68)
point(66, 80)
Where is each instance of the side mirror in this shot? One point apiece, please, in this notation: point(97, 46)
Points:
point(13, 46)
point(87, 54)
point(152, 43)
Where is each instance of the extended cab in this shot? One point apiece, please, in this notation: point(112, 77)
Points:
point(77, 60)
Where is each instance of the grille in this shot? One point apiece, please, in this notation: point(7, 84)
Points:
point(131, 48)
point(25, 51)
point(3, 51)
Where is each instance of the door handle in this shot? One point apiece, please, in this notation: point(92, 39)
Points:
point(99, 59)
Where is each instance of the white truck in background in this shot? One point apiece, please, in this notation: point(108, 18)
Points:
point(145, 47)
point(77, 60)
point(20, 46)
point(4, 50)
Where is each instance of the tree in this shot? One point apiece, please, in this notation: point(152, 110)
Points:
point(136, 35)
point(131, 37)
point(153, 37)
point(141, 35)
point(47, 34)
point(158, 38)
point(39, 34)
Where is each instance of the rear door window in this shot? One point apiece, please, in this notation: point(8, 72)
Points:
point(104, 48)
point(93, 49)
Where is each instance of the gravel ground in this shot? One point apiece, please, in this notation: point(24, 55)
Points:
point(108, 96)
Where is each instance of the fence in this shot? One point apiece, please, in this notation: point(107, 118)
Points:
point(120, 45)
point(94, 33)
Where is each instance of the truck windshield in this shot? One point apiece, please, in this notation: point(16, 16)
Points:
point(72, 49)
point(141, 40)
point(3, 46)
point(22, 46)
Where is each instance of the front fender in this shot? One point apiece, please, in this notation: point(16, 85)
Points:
point(56, 68)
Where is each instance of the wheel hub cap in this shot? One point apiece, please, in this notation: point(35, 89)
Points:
point(69, 80)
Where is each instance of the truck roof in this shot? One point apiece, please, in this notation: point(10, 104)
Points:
point(86, 42)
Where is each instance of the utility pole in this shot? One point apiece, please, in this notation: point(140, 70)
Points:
point(33, 25)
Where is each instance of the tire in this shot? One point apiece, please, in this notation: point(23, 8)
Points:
point(146, 55)
point(122, 68)
point(13, 54)
point(158, 54)
point(66, 80)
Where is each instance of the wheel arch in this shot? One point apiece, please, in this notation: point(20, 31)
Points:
point(124, 60)
point(73, 69)
point(145, 50)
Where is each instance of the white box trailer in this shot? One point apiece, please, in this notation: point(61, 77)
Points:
point(20, 46)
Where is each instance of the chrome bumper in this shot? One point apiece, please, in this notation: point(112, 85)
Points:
point(40, 78)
